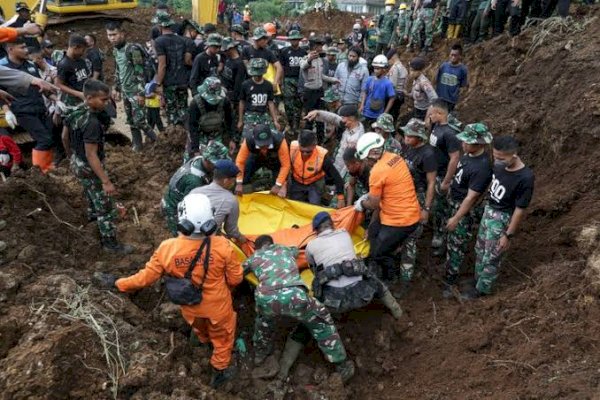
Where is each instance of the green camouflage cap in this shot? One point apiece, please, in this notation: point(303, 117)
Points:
point(228, 43)
point(238, 28)
point(163, 19)
point(415, 127)
point(214, 39)
point(295, 35)
point(257, 67)
point(476, 133)
point(211, 90)
point(57, 55)
point(332, 51)
point(193, 24)
point(330, 95)
point(385, 122)
point(454, 123)
point(260, 33)
point(215, 151)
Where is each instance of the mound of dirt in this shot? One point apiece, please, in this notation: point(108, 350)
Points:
point(337, 23)
point(536, 338)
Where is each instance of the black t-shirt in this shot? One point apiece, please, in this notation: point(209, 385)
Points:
point(420, 161)
point(443, 138)
point(193, 48)
point(250, 52)
point(430, 3)
point(257, 95)
point(92, 132)
point(290, 60)
point(33, 101)
point(174, 48)
point(331, 69)
point(233, 76)
point(511, 189)
point(473, 173)
point(203, 67)
point(96, 59)
point(74, 73)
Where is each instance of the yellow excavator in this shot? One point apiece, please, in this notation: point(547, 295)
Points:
point(50, 12)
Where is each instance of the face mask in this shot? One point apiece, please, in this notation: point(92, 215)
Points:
point(501, 164)
point(388, 8)
point(402, 12)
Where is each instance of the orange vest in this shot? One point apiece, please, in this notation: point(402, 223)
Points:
point(308, 171)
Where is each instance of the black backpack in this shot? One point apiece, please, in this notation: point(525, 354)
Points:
point(149, 63)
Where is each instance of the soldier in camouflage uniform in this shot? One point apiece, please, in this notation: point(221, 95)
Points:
point(174, 63)
point(387, 27)
point(194, 173)
point(371, 42)
point(473, 175)
point(282, 293)
point(86, 126)
point(290, 60)
point(509, 195)
point(425, 11)
point(384, 125)
point(422, 162)
point(130, 81)
point(209, 115)
point(402, 33)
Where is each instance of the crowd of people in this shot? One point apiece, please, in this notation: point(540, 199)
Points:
point(339, 123)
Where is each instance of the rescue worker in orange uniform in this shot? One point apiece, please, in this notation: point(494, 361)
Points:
point(263, 148)
point(311, 165)
point(213, 318)
point(392, 195)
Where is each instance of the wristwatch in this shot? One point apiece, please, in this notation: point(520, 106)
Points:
point(509, 235)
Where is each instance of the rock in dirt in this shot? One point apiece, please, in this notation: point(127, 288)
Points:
point(382, 339)
point(268, 369)
point(302, 374)
point(28, 253)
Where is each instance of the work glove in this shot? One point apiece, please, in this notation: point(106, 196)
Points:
point(358, 203)
point(104, 281)
point(4, 159)
point(10, 118)
point(60, 107)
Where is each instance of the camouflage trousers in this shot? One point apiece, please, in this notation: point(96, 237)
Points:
point(441, 211)
point(424, 18)
point(459, 239)
point(136, 119)
point(487, 258)
point(100, 205)
point(294, 302)
point(409, 248)
point(293, 102)
point(251, 119)
point(170, 214)
point(176, 100)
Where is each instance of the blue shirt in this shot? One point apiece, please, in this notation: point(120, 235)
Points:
point(377, 89)
point(450, 79)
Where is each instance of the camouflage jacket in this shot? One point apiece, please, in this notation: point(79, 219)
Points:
point(129, 68)
point(275, 267)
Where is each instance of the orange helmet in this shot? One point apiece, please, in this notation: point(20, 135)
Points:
point(270, 28)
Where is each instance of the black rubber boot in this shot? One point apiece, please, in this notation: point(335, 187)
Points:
point(221, 376)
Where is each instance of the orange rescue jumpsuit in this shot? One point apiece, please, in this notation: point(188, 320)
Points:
point(214, 318)
point(7, 34)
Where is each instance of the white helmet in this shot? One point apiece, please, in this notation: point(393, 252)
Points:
point(356, 27)
point(368, 142)
point(380, 61)
point(195, 215)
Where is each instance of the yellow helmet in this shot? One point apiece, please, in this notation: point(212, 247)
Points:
point(390, 2)
point(403, 6)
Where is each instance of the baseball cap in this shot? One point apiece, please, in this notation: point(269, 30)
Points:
point(262, 136)
point(227, 168)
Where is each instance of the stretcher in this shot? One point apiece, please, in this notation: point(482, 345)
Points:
point(290, 223)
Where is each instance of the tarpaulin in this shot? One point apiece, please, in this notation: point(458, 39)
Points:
point(290, 223)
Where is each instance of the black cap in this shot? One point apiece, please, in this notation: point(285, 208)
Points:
point(349, 110)
point(317, 40)
point(418, 63)
point(21, 6)
point(263, 137)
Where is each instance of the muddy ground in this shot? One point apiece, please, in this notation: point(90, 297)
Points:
point(535, 339)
